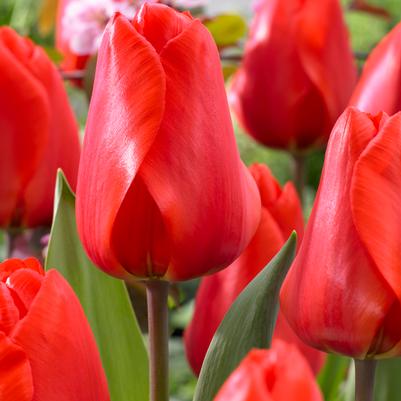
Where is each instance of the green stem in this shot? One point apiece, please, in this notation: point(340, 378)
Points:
point(157, 295)
point(12, 236)
point(364, 379)
point(299, 174)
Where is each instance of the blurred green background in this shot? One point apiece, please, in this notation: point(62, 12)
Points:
point(34, 19)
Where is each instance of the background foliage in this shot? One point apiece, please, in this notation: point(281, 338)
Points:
point(33, 18)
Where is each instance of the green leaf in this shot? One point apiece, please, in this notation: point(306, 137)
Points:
point(333, 375)
point(248, 324)
point(227, 29)
point(388, 383)
point(105, 301)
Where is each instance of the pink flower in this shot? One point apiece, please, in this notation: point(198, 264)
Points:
point(84, 21)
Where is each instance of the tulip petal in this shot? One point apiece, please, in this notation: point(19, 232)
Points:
point(218, 291)
point(15, 372)
point(59, 344)
point(379, 86)
point(323, 37)
point(9, 314)
point(114, 148)
point(25, 283)
point(213, 204)
point(62, 149)
point(25, 135)
point(332, 258)
point(375, 201)
point(160, 24)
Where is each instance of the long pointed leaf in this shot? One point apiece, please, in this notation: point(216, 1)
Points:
point(248, 324)
point(105, 301)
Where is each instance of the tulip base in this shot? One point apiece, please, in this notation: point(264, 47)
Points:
point(364, 379)
point(157, 296)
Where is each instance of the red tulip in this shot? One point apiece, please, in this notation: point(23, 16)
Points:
point(161, 190)
point(47, 350)
point(281, 214)
point(39, 132)
point(291, 86)
point(343, 291)
point(379, 87)
point(278, 374)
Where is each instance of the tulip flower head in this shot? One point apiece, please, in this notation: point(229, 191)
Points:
point(39, 132)
point(291, 87)
point(162, 191)
point(47, 350)
point(379, 87)
point(278, 374)
point(281, 214)
point(343, 292)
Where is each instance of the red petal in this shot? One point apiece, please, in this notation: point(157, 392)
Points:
point(23, 137)
point(332, 259)
point(378, 88)
point(25, 284)
point(376, 200)
point(9, 314)
point(159, 24)
point(60, 346)
point(279, 374)
point(125, 113)
point(218, 291)
point(62, 148)
point(208, 200)
point(15, 372)
point(324, 39)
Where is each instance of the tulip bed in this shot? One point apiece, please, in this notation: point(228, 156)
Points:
point(200, 203)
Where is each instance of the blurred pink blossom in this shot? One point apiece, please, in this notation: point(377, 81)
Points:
point(84, 21)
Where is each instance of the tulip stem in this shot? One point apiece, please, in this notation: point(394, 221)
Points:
point(299, 174)
point(157, 296)
point(364, 379)
point(12, 236)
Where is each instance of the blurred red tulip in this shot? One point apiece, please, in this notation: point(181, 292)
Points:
point(162, 191)
point(343, 291)
point(39, 132)
point(278, 374)
point(47, 349)
point(379, 88)
point(281, 214)
point(291, 86)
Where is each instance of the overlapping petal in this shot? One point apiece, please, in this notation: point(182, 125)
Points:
point(60, 347)
point(290, 68)
point(23, 139)
point(277, 374)
point(281, 214)
point(15, 372)
point(346, 297)
point(116, 145)
point(153, 154)
point(39, 132)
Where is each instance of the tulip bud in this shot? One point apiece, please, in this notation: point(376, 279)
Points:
point(162, 191)
point(278, 374)
point(379, 86)
point(343, 292)
point(281, 214)
point(47, 350)
point(39, 132)
point(291, 86)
